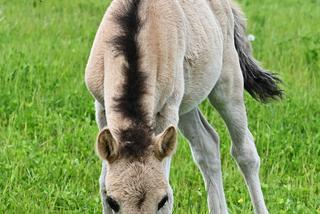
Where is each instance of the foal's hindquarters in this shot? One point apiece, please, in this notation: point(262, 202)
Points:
point(190, 55)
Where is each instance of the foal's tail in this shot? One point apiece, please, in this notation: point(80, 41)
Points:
point(260, 84)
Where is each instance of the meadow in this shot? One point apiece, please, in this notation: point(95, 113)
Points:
point(47, 128)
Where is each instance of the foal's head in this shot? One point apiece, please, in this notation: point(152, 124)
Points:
point(136, 181)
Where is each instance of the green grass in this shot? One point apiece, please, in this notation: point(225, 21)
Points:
point(47, 128)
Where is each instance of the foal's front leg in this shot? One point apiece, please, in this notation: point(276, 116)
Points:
point(102, 122)
point(204, 143)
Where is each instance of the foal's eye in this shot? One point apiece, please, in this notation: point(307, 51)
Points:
point(113, 204)
point(163, 202)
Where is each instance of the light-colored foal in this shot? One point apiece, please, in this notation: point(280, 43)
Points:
point(200, 50)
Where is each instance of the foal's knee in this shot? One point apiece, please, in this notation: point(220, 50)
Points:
point(215, 165)
point(208, 161)
point(246, 157)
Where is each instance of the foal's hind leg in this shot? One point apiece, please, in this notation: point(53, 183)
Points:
point(102, 122)
point(227, 98)
point(204, 143)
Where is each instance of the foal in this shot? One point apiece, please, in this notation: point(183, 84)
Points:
point(152, 63)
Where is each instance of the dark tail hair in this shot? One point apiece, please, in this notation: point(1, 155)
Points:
point(260, 84)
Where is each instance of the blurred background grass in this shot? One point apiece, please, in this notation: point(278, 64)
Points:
point(47, 128)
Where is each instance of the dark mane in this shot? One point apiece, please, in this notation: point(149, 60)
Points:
point(136, 138)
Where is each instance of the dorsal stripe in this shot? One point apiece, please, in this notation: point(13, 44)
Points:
point(130, 102)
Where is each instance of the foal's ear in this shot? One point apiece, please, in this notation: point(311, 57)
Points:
point(166, 142)
point(107, 147)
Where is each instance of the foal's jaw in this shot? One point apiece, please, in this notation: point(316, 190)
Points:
point(137, 184)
